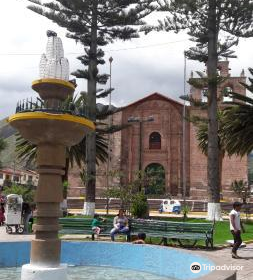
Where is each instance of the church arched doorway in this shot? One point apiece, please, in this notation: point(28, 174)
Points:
point(155, 183)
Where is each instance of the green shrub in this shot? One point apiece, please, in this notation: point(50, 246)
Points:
point(185, 210)
point(139, 206)
point(26, 192)
point(65, 189)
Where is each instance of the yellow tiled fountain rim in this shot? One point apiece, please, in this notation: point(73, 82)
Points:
point(50, 116)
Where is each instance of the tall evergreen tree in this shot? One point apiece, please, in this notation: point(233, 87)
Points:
point(95, 23)
point(215, 27)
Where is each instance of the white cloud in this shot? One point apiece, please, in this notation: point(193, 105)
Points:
point(135, 72)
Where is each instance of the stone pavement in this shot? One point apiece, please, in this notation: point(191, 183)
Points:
point(222, 256)
point(5, 237)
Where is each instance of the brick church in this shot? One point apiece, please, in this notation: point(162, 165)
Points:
point(154, 137)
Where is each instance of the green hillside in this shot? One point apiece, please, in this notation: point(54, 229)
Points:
point(8, 157)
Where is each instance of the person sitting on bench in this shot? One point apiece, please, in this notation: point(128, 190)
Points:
point(120, 225)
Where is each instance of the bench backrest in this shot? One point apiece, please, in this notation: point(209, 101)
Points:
point(154, 225)
point(83, 224)
point(139, 225)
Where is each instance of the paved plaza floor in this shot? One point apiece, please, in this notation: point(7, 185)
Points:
point(222, 256)
point(5, 237)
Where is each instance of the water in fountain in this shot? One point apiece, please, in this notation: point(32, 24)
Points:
point(91, 273)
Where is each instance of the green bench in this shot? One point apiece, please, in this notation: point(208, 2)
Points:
point(83, 226)
point(184, 233)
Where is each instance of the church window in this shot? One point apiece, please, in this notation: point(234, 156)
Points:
point(155, 140)
point(226, 97)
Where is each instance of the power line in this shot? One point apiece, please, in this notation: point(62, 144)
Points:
point(112, 50)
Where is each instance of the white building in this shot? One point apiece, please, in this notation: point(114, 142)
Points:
point(22, 177)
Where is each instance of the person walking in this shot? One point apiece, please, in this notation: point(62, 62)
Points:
point(236, 227)
point(27, 215)
point(2, 211)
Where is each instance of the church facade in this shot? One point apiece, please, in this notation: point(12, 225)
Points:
point(153, 138)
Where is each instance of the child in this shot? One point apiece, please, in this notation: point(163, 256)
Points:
point(235, 227)
point(96, 224)
point(141, 238)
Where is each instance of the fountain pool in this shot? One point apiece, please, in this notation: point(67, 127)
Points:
point(91, 273)
point(108, 260)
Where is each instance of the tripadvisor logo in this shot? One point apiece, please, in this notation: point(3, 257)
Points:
point(195, 267)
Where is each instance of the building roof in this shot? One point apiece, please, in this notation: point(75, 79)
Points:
point(153, 96)
point(17, 172)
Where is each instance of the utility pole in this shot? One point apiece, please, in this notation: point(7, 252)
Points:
point(183, 140)
point(140, 146)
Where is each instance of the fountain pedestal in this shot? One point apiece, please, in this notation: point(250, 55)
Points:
point(46, 247)
point(32, 272)
point(52, 128)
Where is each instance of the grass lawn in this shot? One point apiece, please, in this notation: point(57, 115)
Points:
point(221, 230)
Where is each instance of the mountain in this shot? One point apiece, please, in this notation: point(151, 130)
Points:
point(8, 156)
point(6, 130)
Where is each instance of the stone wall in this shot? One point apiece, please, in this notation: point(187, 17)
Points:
point(168, 121)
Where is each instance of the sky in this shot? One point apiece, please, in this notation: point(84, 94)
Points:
point(152, 63)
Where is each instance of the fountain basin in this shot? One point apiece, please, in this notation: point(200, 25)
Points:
point(59, 129)
point(158, 260)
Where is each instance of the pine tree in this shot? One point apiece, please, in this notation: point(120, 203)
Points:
point(215, 27)
point(95, 23)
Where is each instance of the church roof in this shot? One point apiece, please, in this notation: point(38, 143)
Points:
point(153, 96)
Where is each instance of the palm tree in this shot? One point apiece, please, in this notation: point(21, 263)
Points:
point(27, 151)
point(238, 123)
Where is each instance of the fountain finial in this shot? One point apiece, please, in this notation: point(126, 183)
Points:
point(53, 64)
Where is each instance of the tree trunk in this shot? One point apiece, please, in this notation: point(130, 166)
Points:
point(214, 211)
point(66, 169)
point(221, 157)
point(89, 205)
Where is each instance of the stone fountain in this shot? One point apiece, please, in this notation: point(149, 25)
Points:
point(52, 128)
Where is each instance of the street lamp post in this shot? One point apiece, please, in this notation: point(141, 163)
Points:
point(140, 121)
point(109, 136)
point(110, 96)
